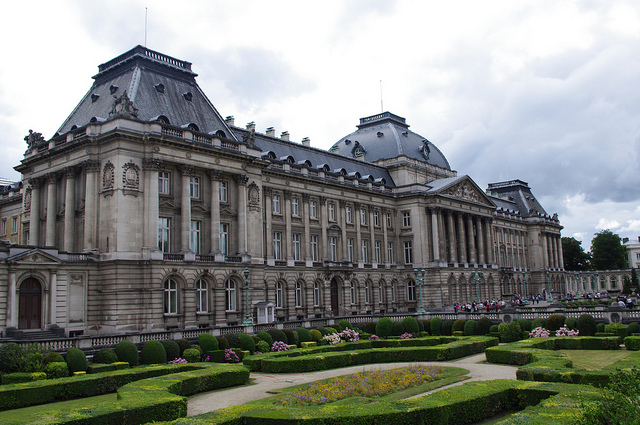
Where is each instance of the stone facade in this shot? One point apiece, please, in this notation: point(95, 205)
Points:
point(147, 209)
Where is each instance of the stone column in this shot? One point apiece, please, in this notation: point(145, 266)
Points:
point(435, 233)
point(372, 238)
point(185, 210)
point(151, 168)
point(52, 213)
point(91, 168)
point(305, 249)
point(268, 214)
point(34, 226)
point(556, 256)
point(462, 239)
point(490, 247)
point(561, 255)
point(470, 238)
point(545, 251)
point(480, 236)
point(324, 247)
point(53, 293)
point(385, 237)
point(241, 182)
point(69, 209)
point(12, 302)
point(453, 254)
point(342, 219)
point(215, 177)
point(357, 255)
point(287, 243)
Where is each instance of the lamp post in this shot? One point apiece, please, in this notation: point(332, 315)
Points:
point(549, 296)
point(247, 316)
point(477, 275)
point(420, 279)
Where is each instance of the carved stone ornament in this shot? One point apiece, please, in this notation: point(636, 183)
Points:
point(108, 176)
point(151, 163)
point(254, 194)
point(33, 139)
point(123, 107)
point(27, 199)
point(131, 175)
point(463, 191)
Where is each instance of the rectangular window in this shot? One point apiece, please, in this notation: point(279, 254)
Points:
point(313, 209)
point(364, 249)
point(393, 292)
point(164, 230)
point(14, 225)
point(389, 223)
point(275, 204)
point(390, 252)
point(170, 297)
point(202, 306)
point(332, 211)
point(279, 295)
point(224, 238)
point(408, 252)
point(163, 183)
point(3, 227)
point(314, 247)
point(316, 294)
point(350, 249)
point(347, 212)
point(363, 216)
point(376, 218)
point(406, 219)
point(378, 250)
point(223, 192)
point(194, 187)
point(298, 291)
point(277, 245)
point(296, 246)
point(295, 209)
point(333, 253)
point(194, 240)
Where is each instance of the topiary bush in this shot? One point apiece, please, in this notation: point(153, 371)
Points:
point(458, 325)
point(291, 337)
point(633, 328)
point(208, 342)
point(510, 332)
point(337, 327)
point(223, 344)
point(411, 325)
point(55, 370)
point(153, 353)
point(127, 352)
point(234, 341)
point(397, 328)
point(278, 335)
point(525, 325)
point(262, 347)
point(539, 323)
point(322, 330)
point(384, 327)
point(555, 322)
point(183, 344)
point(106, 356)
point(470, 327)
point(483, 327)
point(315, 335)
point(369, 327)
point(171, 348)
point(246, 343)
point(54, 357)
point(345, 324)
point(571, 323)
point(266, 337)
point(586, 325)
point(436, 326)
point(76, 360)
point(600, 328)
point(330, 330)
point(447, 327)
point(426, 324)
point(304, 335)
point(191, 355)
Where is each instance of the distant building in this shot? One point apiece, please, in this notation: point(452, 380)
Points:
point(146, 208)
point(633, 252)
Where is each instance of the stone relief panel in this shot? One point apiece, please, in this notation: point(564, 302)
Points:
point(108, 176)
point(131, 176)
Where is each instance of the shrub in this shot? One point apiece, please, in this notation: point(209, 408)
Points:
point(191, 355)
point(266, 337)
point(483, 326)
point(510, 332)
point(600, 328)
point(263, 347)
point(397, 328)
point(183, 344)
point(292, 338)
point(493, 328)
point(337, 327)
point(246, 343)
point(55, 370)
point(304, 335)
point(234, 341)
point(127, 352)
point(11, 359)
point(369, 327)
point(634, 327)
point(19, 377)
point(76, 360)
point(54, 357)
point(345, 324)
point(447, 327)
point(538, 323)
point(436, 326)
point(525, 325)
point(571, 323)
point(330, 331)
point(619, 402)
point(223, 344)
point(106, 356)
point(208, 342)
point(322, 330)
point(426, 324)
point(420, 325)
point(411, 325)
point(458, 325)
point(153, 353)
point(470, 327)
point(384, 327)
point(315, 335)
point(555, 322)
point(172, 349)
point(586, 325)
point(278, 335)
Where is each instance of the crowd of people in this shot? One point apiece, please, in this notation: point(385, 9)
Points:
point(475, 307)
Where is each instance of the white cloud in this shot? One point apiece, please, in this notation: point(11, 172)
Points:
point(604, 223)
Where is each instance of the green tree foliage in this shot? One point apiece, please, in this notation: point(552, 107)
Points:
point(607, 251)
point(634, 279)
point(575, 259)
point(620, 403)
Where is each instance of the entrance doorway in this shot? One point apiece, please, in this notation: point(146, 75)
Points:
point(30, 306)
point(335, 305)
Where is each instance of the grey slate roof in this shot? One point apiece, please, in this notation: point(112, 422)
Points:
point(518, 197)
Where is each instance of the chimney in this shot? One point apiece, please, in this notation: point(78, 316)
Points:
point(251, 126)
point(271, 132)
point(285, 136)
point(638, 238)
point(230, 120)
point(306, 141)
point(625, 240)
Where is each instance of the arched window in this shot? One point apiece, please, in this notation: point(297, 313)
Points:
point(367, 293)
point(411, 290)
point(316, 294)
point(352, 292)
point(202, 293)
point(614, 282)
point(230, 295)
point(298, 294)
point(170, 296)
point(380, 293)
point(279, 295)
point(393, 292)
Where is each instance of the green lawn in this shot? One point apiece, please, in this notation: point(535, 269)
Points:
point(595, 359)
point(27, 414)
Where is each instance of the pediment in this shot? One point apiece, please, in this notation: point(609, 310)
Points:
point(198, 208)
point(466, 190)
point(34, 256)
point(167, 203)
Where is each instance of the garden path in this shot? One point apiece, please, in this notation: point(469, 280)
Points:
point(264, 382)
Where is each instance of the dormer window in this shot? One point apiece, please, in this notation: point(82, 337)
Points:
point(187, 96)
point(159, 88)
point(94, 97)
point(193, 127)
point(113, 89)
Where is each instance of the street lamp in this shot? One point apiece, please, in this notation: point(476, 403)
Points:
point(247, 317)
point(420, 279)
point(549, 296)
point(477, 275)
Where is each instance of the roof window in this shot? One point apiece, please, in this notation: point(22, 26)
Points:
point(159, 88)
point(187, 96)
point(94, 97)
point(380, 134)
point(113, 89)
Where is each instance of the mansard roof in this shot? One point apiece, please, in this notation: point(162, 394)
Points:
point(157, 86)
point(516, 195)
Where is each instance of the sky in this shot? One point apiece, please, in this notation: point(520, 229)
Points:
point(547, 92)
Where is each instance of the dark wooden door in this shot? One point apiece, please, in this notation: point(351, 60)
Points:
point(335, 308)
point(30, 307)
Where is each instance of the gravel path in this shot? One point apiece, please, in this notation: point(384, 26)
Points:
point(264, 382)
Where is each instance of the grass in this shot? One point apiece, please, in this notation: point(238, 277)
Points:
point(32, 414)
point(594, 359)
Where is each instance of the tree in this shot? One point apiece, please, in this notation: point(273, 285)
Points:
point(575, 259)
point(634, 280)
point(607, 251)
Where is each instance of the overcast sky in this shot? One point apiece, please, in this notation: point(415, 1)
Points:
point(543, 91)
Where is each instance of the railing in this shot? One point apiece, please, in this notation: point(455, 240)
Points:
point(225, 330)
point(201, 138)
point(233, 259)
point(172, 257)
point(174, 132)
point(205, 258)
point(107, 341)
point(229, 145)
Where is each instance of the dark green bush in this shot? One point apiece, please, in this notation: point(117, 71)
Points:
point(493, 328)
point(369, 327)
point(183, 344)
point(105, 356)
point(571, 323)
point(171, 348)
point(56, 370)
point(76, 360)
point(458, 325)
point(11, 358)
point(420, 325)
point(426, 324)
point(436, 326)
point(19, 377)
point(191, 355)
point(600, 328)
point(555, 322)
point(100, 367)
point(208, 342)
point(278, 335)
point(538, 323)
point(525, 325)
point(397, 328)
point(266, 337)
point(234, 341)
point(292, 338)
point(153, 353)
point(54, 357)
point(447, 327)
point(470, 328)
point(331, 330)
point(411, 325)
point(246, 343)
point(322, 330)
point(345, 324)
point(384, 327)
point(263, 347)
point(586, 325)
point(483, 327)
point(223, 344)
point(304, 335)
point(127, 352)
point(633, 328)
point(632, 343)
point(315, 335)
point(337, 327)
point(510, 332)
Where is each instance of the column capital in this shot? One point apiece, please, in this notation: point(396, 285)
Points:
point(287, 194)
point(186, 169)
point(322, 200)
point(91, 165)
point(36, 183)
point(52, 177)
point(215, 175)
point(305, 197)
point(151, 164)
point(267, 190)
point(70, 172)
point(357, 205)
point(241, 179)
point(342, 203)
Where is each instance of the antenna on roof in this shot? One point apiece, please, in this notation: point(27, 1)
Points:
point(145, 27)
point(381, 105)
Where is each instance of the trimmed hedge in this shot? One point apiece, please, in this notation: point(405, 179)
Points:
point(18, 377)
point(208, 342)
point(98, 367)
point(104, 356)
point(246, 343)
point(128, 352)
point(192, 355)
point(304, 335)
point(632, 343)
point(172, 349)
point(57, 370)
